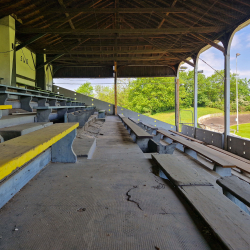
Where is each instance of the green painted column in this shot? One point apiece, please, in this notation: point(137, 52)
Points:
point(7, 45)
point(40, 72)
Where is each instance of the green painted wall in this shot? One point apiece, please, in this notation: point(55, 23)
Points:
point(25, 59)
point(25, 66)
point(7, 43)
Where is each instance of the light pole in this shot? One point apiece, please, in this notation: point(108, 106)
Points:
point(237, 101)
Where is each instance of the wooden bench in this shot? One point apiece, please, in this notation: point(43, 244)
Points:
point(121, 116)
point(227, 221)
point(185, 136)
point(23, 157)
point(236, 190)
point(149, 128)
point(223, 163)
point(140, 136)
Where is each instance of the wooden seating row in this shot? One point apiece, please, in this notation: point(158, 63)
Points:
point(139, 135)
point(223, 162)
point(227, 221)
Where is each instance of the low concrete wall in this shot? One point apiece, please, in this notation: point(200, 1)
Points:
point(210, 137)
point(239, 146)
point(188, 130)
point(100, 105)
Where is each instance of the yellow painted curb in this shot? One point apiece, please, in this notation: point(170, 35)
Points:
point(5, 106)
point(15, 162)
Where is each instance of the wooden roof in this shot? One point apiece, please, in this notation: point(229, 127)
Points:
point(157, 33)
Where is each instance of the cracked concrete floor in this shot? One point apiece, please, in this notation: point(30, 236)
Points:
point(113, 201)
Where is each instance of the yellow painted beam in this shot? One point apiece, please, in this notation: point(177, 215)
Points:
point(5, 106)
point(17, 152)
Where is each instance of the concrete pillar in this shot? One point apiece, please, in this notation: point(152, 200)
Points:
point(7, 43)
point(40, 72)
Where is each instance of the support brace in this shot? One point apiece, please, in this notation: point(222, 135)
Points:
point(25, 103)
point(222, 171)
point(62, 150)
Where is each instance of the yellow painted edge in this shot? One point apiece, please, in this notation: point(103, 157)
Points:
point(5, 106)
point(19, 161)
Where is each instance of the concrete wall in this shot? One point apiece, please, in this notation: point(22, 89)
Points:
point(210, 137)
point(25, 67)
point(90, 101)
point(239, 146)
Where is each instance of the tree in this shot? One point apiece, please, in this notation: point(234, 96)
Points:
point(86, 89)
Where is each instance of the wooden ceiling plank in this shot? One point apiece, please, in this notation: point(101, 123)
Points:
point(185, 30)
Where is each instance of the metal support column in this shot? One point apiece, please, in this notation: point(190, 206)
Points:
point(177, 105)
point(227, 40)
point(226, 98)
point(40, 72)
point(195, 91)
point(115, 87)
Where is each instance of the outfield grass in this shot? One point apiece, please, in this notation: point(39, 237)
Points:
point(185, 116)
point(244, 130)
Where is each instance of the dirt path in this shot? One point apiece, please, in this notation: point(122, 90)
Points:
point(219, 121)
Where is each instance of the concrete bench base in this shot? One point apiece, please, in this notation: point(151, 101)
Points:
point(15, 182)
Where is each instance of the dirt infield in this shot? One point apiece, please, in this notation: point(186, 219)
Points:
point(245, 118)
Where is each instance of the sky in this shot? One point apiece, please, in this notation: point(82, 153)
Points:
point(213, 57)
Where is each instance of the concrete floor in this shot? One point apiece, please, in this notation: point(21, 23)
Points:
point(112, 201)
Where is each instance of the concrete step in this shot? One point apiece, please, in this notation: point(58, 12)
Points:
point(8, 121)
point(22, 129)
point(84, 147)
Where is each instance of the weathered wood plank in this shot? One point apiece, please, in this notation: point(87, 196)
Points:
point(217, 157)
point(139, 132)
point(227, 221)
point(240, 189)
point(178, 172)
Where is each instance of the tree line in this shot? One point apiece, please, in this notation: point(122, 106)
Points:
point(154, 95)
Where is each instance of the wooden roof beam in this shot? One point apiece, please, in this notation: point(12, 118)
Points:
point(114, 10)
point(210, 42)
point(185, 30)
point(163, 20)
point(110, 52)
point(49, 61)
point(29, 41)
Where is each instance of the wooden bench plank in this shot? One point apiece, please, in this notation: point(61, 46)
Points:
point(217, 157)
point(185, 136)
point(229, 153)
point(240, 189)
point(227, 221)
point(139, 132)
point(177, 171)
point(17, 152)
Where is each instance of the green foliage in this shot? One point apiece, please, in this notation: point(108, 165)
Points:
point(155, 95)
point(86, 89)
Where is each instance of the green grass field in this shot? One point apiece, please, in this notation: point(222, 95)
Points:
point(244, 130)
point(185, 116)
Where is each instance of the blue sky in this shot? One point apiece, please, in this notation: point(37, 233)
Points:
point(213, 57)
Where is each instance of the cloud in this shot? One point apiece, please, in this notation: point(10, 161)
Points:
point(213, 59)
point(237, 41)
